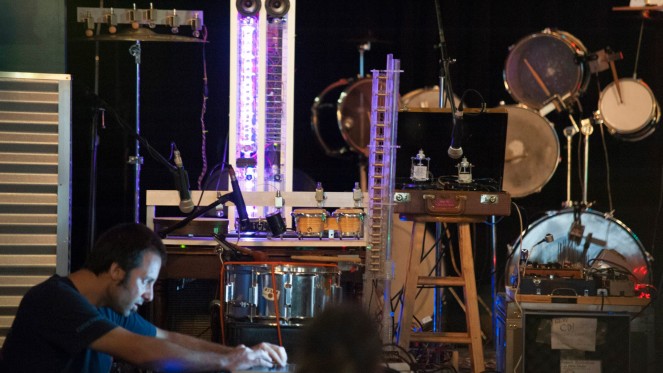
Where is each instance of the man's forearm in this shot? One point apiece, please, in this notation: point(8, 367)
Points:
point(192, 342)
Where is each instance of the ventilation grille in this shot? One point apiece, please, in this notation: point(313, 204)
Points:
point(34, 184)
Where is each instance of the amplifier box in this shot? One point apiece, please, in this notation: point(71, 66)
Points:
point(526, 338)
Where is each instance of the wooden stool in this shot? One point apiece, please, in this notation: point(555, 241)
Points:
point(473, 335)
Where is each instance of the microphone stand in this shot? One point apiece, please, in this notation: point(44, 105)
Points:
point(445, 89)
point(445, 61)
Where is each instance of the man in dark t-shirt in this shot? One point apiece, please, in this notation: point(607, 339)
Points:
point(80, 322)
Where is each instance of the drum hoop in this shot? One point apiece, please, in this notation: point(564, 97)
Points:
point(517, 243)
point(315, 121)
point(339, 113)
point(573, 43)
point(554, 137)
point(309, 215)
point(653, 115)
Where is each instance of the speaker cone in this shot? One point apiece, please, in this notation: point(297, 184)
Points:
point(277, 8)
point(248, 7)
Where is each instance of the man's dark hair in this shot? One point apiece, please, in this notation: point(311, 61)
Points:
point(124, 244)
point(342, 338)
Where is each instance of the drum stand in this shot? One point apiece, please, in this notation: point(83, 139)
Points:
point(569, 132)
point(136, 159)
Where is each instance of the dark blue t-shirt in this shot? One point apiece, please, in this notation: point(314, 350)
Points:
point(54, 326)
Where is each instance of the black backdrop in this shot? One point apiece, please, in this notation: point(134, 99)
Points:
point(478, 35)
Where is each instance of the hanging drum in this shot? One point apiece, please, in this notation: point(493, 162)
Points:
point(341, 117)
point(630, 111)
point(531, 153)
point(586, 239)
point(552, 61)
point(424, 98)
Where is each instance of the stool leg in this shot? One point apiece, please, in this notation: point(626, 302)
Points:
point(409, 291)
point(471, 301)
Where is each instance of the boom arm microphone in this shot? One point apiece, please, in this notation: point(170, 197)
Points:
point(455, 150)
point(238, 200)
point(182, 184)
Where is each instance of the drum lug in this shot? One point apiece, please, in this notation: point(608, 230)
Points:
point(230, 292)
point(288, 294)
point(253, 294)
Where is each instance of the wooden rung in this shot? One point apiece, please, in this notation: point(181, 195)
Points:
point(441, 281)
point(441, 337)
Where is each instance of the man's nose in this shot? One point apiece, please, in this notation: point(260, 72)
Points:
point(148, 295)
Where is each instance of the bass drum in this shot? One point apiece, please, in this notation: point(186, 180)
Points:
point(554, 56)
point(341, 117)
point(635, 116)
point(531, 154)
point(598, 235)
point(424, 98)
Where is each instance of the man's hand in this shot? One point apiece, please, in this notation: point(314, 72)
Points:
point(277, 354)
point(263, 355)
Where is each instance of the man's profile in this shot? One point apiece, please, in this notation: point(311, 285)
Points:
point(79, 323)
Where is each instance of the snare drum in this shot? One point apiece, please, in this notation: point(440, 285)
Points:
point(635, 116)
point(298, 292)
point(531, 153)
point(310, 222)
point(556, 57)
point(350, 222)
point(241, 291)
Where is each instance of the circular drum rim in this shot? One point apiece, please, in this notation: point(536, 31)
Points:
point(349, 116)
point(513, 69)
point(649, 116)
point(535, 232)
point(513, 170)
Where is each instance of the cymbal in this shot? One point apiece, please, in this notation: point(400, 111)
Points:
point(143, 34)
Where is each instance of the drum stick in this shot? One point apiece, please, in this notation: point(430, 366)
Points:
point(616, 79)
point(321, 258)
point(537, 78)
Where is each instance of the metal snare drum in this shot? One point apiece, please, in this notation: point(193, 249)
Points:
point(241, 291)
point(298, 292)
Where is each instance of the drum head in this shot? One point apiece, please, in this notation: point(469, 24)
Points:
point(324, 120)
point(354, 115)
point(531, 153)
point(424, 98)
point(554, 56)
point(599, 233)
point(634, 116)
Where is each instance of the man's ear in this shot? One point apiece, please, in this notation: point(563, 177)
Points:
point(116, 272)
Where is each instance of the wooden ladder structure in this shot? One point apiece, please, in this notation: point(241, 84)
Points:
point(472, 337)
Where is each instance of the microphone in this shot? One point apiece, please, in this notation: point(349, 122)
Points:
point(182, 184)
point(455, 150)
point(548, 238)
point(238, 200)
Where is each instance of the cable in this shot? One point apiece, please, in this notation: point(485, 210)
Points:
point(203, 110)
